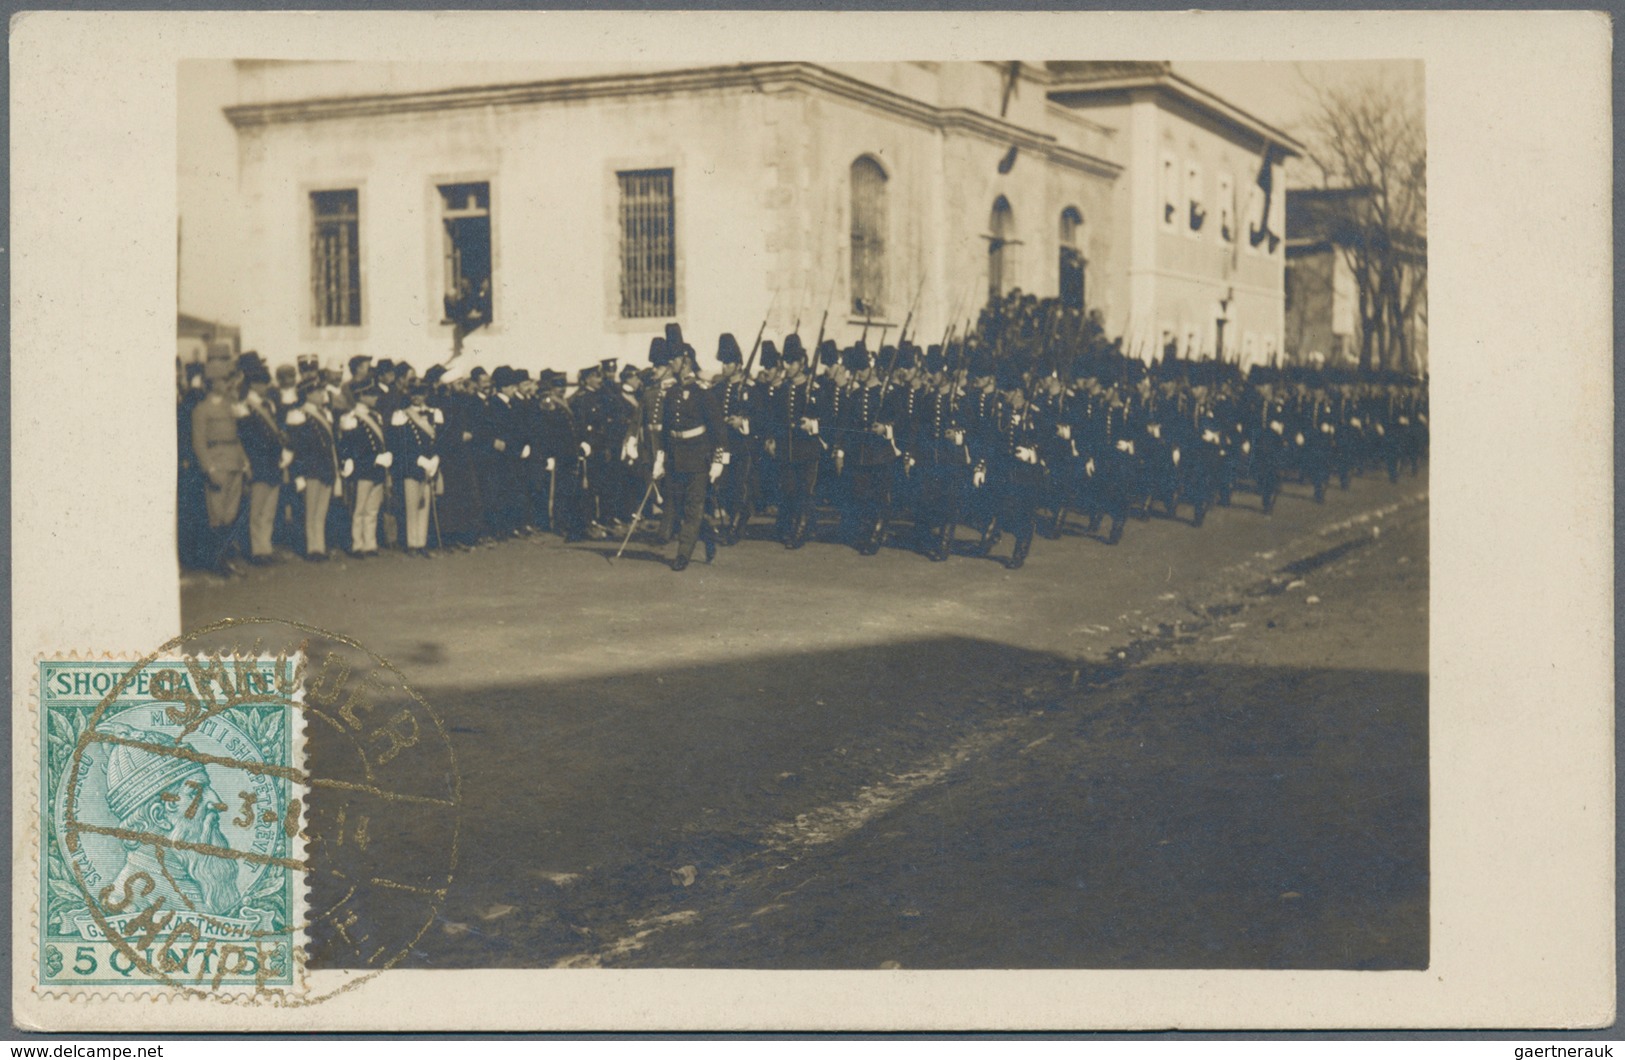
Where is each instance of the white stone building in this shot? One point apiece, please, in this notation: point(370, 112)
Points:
point(582, 207)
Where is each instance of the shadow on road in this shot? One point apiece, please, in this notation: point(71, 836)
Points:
point(1175, 815)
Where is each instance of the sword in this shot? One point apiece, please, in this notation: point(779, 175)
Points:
point(636, 519)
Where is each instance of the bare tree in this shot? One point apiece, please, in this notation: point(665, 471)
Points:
point(1369, 139)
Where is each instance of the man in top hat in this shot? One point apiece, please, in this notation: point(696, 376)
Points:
point(315, 467)
point(735, 398)
point(268, 457)
point(414, 430)
point(219, 453)
point(365, 462)
point(692, 451)
point(795, 443)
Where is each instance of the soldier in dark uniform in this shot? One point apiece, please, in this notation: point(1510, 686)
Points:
point(502, 452)
point(736, 401)
point(558, 456)
point(461, 515)
point(315, 468)
point(1268, 437)
point(866, 452)
point(770, 370)
point(795, 444)
point(1016, 465)
point(365, 462)
point(833, 382)
point(939, 449)
point(268, 457)
point(978, 410)
point(691, 450)
point(221, 461)
point(652, 417)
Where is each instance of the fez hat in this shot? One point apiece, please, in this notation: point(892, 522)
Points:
point(434, 374)
point(828, 353)
point(728, 349)
point(770, 354)
point(657, 351)
point(793, 350)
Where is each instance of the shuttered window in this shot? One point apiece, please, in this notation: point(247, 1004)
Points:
point(648, 244)
point(868, 278)
point(335, 258)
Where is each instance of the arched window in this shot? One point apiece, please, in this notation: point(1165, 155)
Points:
point(1000, 227)
point(1072, 260)
point(868, 279)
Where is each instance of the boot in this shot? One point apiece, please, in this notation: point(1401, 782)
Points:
point(1117, 529)
point(1024, 544)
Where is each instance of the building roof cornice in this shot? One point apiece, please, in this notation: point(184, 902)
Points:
point(764, 77)
point(1160, 78)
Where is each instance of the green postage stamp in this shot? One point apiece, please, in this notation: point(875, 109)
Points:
point(170, 833)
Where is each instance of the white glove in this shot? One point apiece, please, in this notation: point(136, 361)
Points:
point(1210, 437)
point(1026, 455)
point(978, 476)
point(1125, 446)
point(629, 451)
point(434, 466)
point(384, 459)
point(524, 454)
point(1355, 423)
point(348, 469)
point(809, 425)
point(287, 458)
point(1246, 447)
point(1089, 467)
point(550, 465)
point(956, 436)
point(772, 449)
point(909, 462)
point(439, 417)
point(500, 446)
point(586, 449)
point(744, 426)
point(660, 464)
point(1065, 431)
point(1298, 438)
point(423, 462)
point(468, 436)
point(299, 483)
point(1176, 456)
point(1277, 426)
point(716, 470)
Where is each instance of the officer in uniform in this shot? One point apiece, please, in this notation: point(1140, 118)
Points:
point(691, 448)
point(220, 457)
point(416, 427)
point(735, 398)
point(1016, 464)
point(939, 448)
point(315, 466)
point(559, 452)
point(366, 459)
point(794, 443)
point(268, 457)
point(867, 451)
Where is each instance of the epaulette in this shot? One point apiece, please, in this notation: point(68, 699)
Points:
point(296, 417)
point(348, 421)
point(439, 416)
point(397, 418)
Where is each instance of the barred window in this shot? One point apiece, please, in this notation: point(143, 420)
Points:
point(648, 244)
point(335, 258)
point(1002, 223)
point(868, 279)
point(466, 221)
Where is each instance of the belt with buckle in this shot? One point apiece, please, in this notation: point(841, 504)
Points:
point(692, 432)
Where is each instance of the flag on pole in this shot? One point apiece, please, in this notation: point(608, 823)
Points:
point(1265, 183)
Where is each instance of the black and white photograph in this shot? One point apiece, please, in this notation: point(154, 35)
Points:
point(848, 515)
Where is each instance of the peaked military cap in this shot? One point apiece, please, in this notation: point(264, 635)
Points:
point(728, 349)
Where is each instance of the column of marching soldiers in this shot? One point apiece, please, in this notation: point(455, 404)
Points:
point(1030, 418)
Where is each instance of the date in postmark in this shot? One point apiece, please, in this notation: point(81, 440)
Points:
point(254, 800)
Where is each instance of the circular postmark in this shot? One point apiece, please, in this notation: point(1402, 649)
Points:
point(254, 799)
